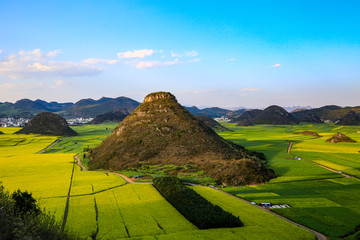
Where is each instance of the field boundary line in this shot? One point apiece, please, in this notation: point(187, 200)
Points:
point(319, 235)
point(68, 198)
point(49, 146)
point(325, 167)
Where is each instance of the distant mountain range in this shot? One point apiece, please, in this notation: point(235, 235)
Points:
point(84, 108)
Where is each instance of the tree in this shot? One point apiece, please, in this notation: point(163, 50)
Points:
point(24, 203)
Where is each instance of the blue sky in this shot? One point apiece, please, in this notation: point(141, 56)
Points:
point(208, 53)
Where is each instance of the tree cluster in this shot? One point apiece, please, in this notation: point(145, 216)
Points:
point(21, 218)
point(194, 207)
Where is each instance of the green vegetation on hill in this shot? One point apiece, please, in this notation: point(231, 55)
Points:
point(195, 208)
point(114, 116)
point(161, 131)
point(49, 124)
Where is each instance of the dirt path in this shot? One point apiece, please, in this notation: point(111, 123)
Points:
point(330, 169)
point(83, 168)
point(289, 148)
point(44, 149)
point(319, 236)
point(78, 161)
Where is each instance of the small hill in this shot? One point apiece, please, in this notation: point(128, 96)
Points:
point(247, 115)
point(271, 115)
point(339, 137)
point(309, 133)
point(350, 119)
point(161, 131)
point(274, 115)
point(114, 116)
point(310, 117)
point(212, 123)
point(49, 124)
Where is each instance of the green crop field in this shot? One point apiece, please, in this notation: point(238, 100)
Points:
point(103, 204)
point(320, 199)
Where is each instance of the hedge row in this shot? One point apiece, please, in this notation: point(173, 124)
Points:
point(194, 207)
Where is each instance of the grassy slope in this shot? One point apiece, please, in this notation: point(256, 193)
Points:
point(329, 206)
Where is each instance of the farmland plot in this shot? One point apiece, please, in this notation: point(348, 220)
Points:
point(128, 211)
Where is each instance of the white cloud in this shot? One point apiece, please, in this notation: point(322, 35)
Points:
point(35, 64)
point(1, 51)
point(250, 90)
point(194, 60)
point(136, 53)
point(152, 64)
point(58, 83)
point(185, 54)
point(276, 65)
point(191, 54)
point(100, 61)
point(231, 59)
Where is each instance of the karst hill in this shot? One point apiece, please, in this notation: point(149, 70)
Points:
point(47, 123)
point(113, 116)
point(161, 131)
point(270, 115)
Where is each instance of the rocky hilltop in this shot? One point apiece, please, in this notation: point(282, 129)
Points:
point(49, 124)
point(161, 131)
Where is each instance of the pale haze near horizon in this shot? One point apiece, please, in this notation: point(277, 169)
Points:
point(229, 54)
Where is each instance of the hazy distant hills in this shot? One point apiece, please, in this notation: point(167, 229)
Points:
point(84, 108)
point(113, 116)
point(330, 112)
point(212, 112)
point(271, 115)
point(90, 108)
